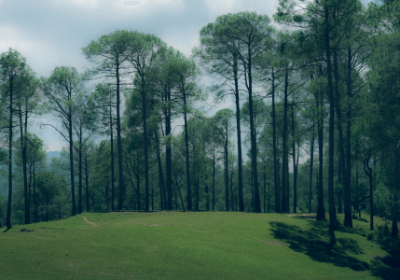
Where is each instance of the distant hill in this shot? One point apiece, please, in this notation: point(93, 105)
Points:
point(4, 180)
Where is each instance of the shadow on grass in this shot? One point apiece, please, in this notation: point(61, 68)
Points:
point(314, 242)
point(388, 267)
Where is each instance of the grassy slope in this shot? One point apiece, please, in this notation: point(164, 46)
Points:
point(171, 245)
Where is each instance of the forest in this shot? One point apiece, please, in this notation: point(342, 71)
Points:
point(314, 126)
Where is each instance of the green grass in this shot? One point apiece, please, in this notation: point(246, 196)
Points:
point(202, 245)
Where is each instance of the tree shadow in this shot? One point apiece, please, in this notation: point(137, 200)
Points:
point(388, 267)
point(315, 244)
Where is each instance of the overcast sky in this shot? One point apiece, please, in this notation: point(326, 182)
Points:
point(51, 33)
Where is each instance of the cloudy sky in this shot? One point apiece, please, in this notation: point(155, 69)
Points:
point(50, 33)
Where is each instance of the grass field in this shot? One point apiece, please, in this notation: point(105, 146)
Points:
point(191, 245)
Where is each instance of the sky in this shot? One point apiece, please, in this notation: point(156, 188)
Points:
point(51, 33)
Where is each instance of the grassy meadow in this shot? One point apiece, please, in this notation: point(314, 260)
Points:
point(190, 245)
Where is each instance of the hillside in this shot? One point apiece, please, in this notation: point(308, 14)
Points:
point(176, 245)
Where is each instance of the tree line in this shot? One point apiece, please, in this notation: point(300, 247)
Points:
point(315, 103)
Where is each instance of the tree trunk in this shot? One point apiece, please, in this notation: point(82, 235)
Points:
point(311, 171)
point(257, 202)
point(146, 158)
point(294, 163)
point(239, 136)
point(189, 192)
point(139, 207)
point(368, 172)
point(23, 152)
point(168, 150)
point(285, 195)
point(213, 183)
point(347, 195)
point(80, 169)
point(87, 184)
point(161, 176)
point(71, 161)
point(226, 175)
point(10, 131)
point(180, 195)
point(320, 205)
point(276, 180)
point(331, 197)
point(207, 196)
point(112, 160)
point(265, 186)
point(196, 164)
point(119, 143)
point(35, 217)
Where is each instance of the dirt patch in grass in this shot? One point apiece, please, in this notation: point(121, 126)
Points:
point(93, 224)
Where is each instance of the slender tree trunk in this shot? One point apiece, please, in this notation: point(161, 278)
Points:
point(269, 202)
point(180, 194)
point(139, 207)
point(119, 143)
point(25, 156)
point(285, 194)
point(10, 131)
point(30, 186)
point(213, 183)
point(331, 197)
point(87, 184)
point(108, 195)
point(278, 167)
point(112, 160)
point(368, 172)
point(294, 163)
point(23, 152)
point(35, 212)
point(265, 186)
point(71, 161)
point(311, 171)
point(276, 180)
point(340, 206)
point(320, 205)
point(395, 208)
point(196, 164)
point(161, 175)
point(146, 158)
point(257, 202)
point(80, 170)
point(340, 203)
point(232, 204)
point(176, 200)
point(347, 196)
point(189, 191)
point(168, 149)
point(226, 175)
point(207, 196)
point(239, 136)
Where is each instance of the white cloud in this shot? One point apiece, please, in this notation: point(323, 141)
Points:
point(183, 46)
point(91, 4)
point(142, 7)
point(221, 6)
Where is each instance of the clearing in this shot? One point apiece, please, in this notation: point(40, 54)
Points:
point(191, 245)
